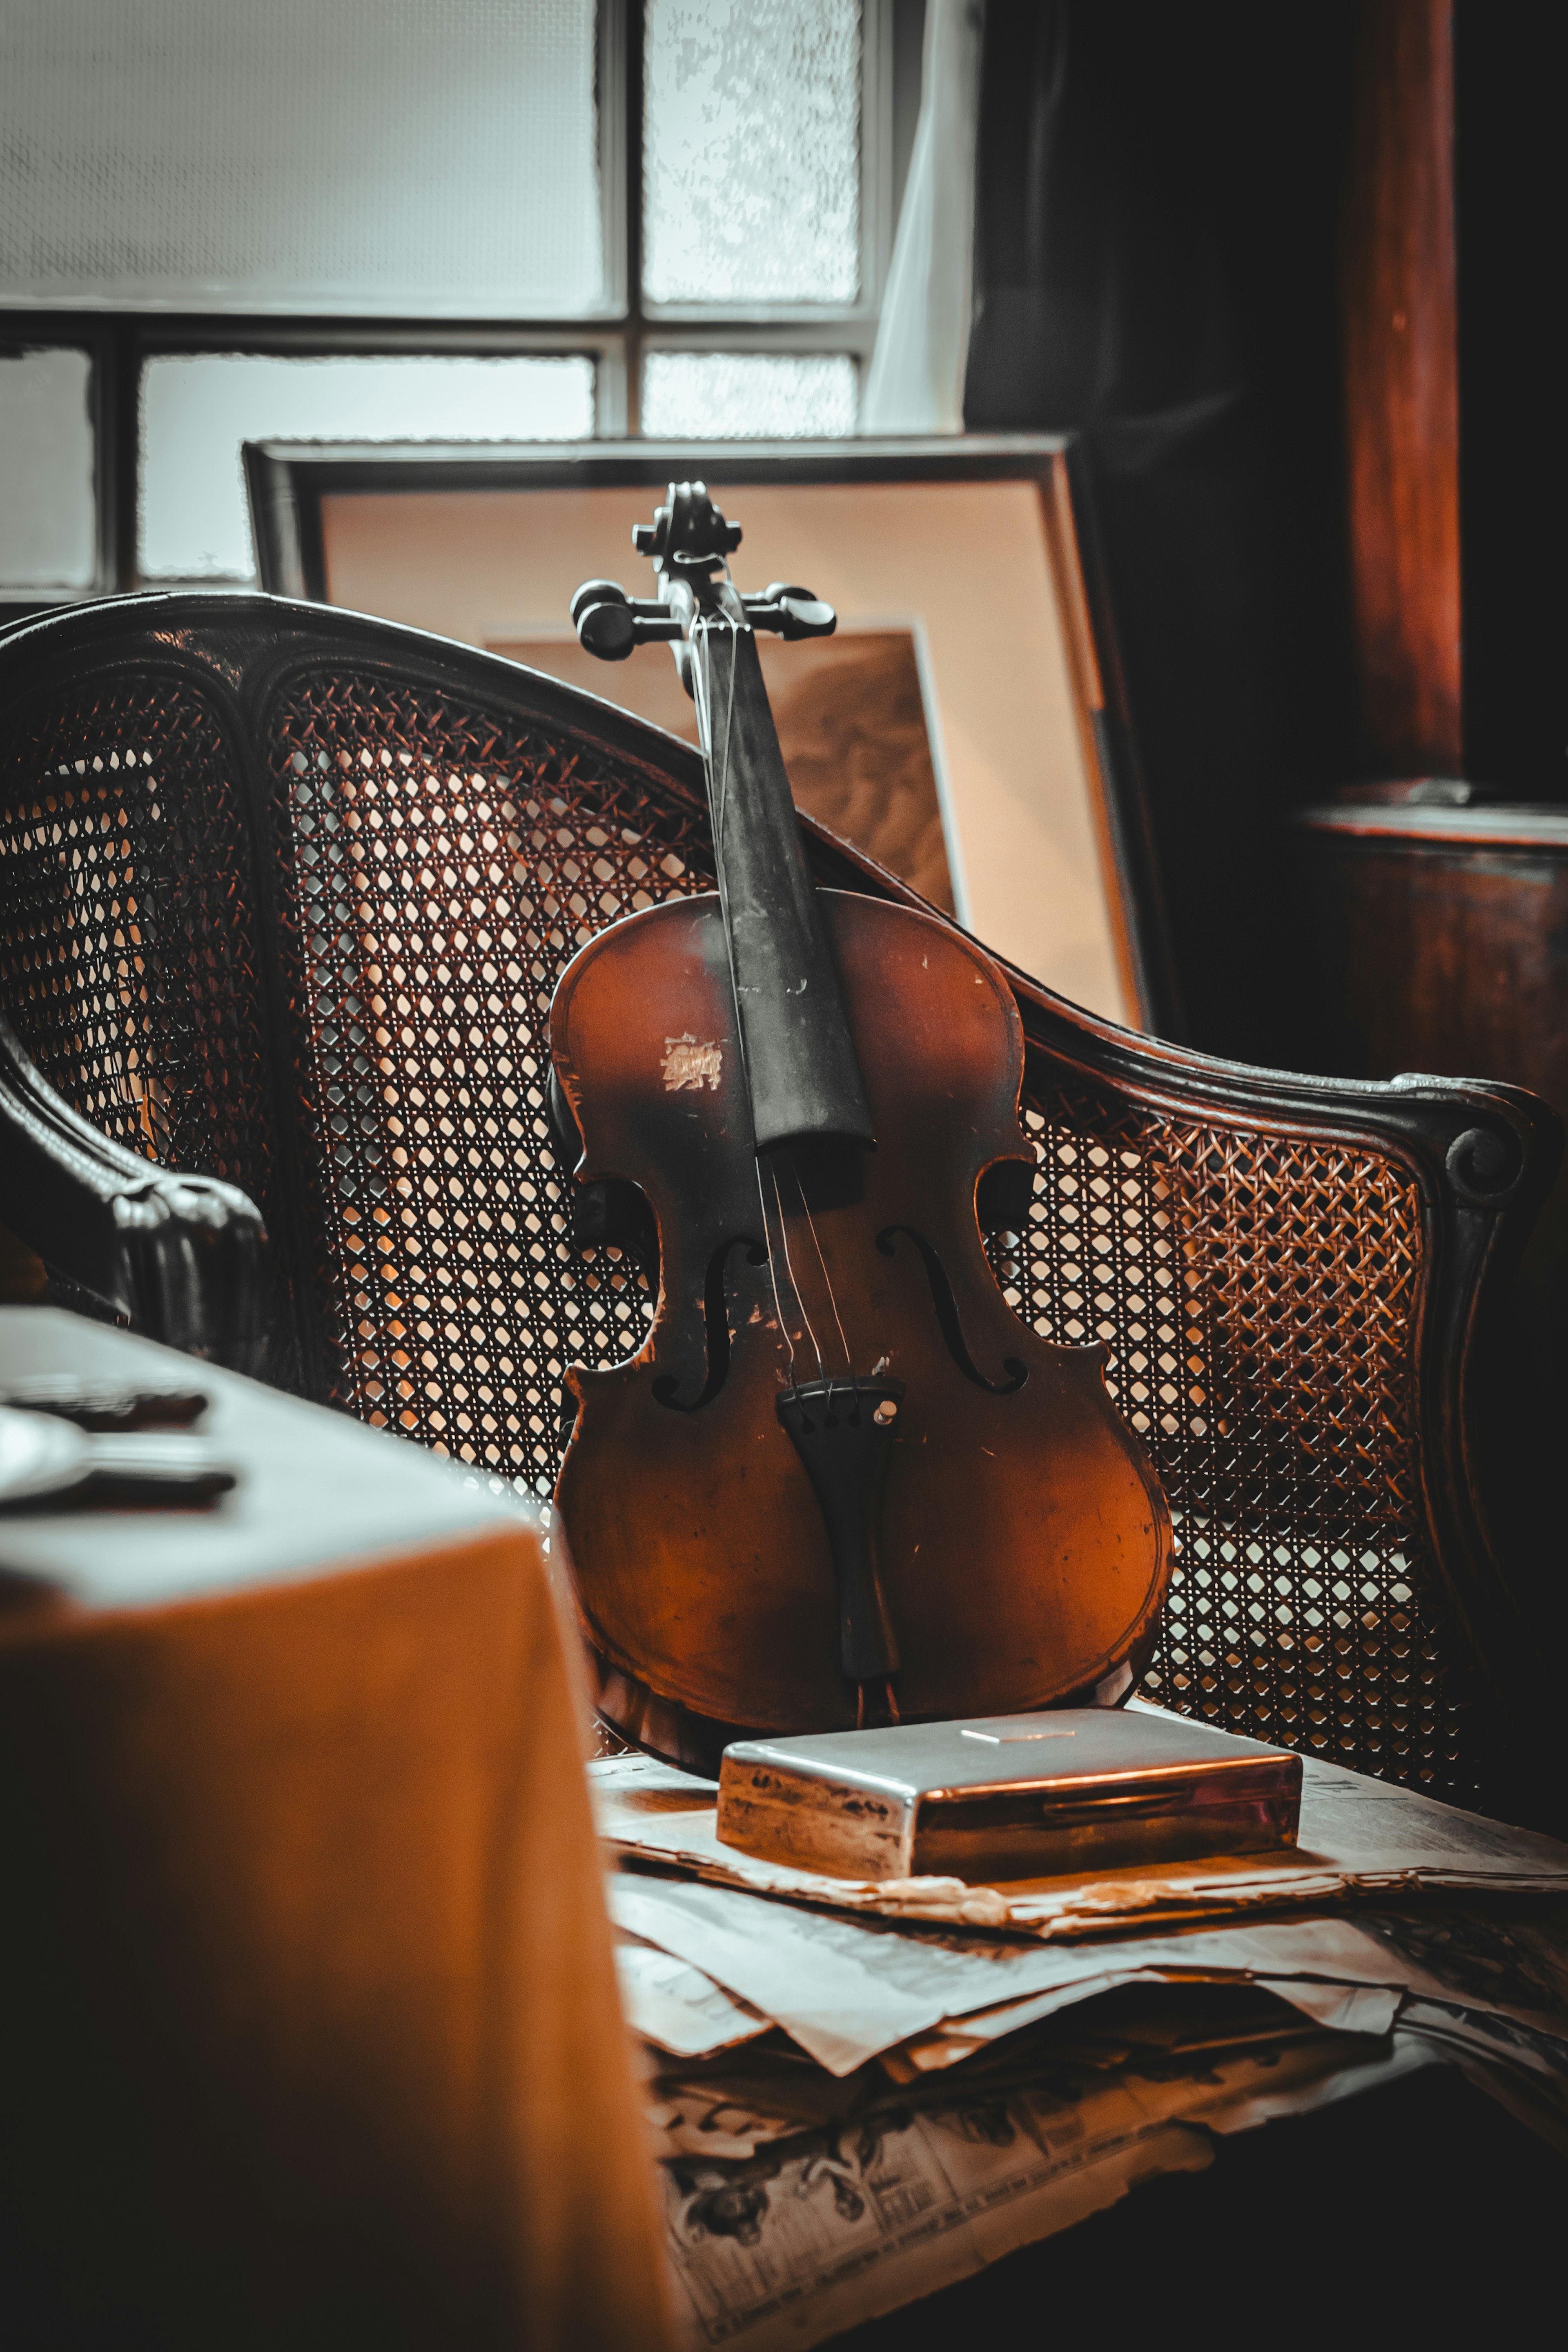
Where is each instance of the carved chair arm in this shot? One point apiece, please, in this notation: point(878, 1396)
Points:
point(179, 1256)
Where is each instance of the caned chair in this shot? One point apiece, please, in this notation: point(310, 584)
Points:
point(284, 894)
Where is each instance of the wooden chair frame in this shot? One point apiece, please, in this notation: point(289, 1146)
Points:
point(189, 912)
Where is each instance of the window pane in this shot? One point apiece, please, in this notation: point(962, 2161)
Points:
point(371, 156)
point(46, 532)
point(752, 151)
point(196, 412)
point(736, 396)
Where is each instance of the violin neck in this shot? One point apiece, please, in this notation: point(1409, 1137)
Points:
point(802, 1074)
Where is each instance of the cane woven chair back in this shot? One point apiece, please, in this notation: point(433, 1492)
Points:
point(284, 895)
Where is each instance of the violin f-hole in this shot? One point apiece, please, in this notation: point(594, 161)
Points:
point(1003, 1196)
point(715, 1322)
point(947, 1308)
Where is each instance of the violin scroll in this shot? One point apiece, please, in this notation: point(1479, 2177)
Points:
point(689, 541)
point(688, 533)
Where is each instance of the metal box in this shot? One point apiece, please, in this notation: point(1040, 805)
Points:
point(1022, 1796)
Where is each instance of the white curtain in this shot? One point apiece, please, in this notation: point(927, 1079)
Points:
point(917, 380)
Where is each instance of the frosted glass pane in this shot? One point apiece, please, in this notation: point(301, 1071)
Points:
point(752, 151)
point(435, 158)
point(196, 412)
point(744, 396)
point(47, 534)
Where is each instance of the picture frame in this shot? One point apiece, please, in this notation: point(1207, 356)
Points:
point(969, 564)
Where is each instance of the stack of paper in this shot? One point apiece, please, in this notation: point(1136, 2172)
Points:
point(1357, 1837)
point(863, 2091)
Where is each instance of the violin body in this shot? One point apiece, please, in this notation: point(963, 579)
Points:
point(1022, 1541)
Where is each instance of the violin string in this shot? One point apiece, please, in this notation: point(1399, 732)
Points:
point(773, 1276)
point(889, 1701)
point(719, 755)
point(729, 708)
point(827, 1278)
point(704, 680)
point(702, 695)
point(699, 697)
point(702, 684)
point(810, 1222)
point(794, 1281)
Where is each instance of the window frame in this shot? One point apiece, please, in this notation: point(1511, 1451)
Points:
point(616, 339)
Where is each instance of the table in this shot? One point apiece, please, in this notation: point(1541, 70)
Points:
point(310, 2028)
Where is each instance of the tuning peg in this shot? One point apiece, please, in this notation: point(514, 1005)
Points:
point(601, 614)
point(790, 611)
point(611, 625)
point(597, 591)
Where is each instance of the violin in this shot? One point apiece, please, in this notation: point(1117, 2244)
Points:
point(842, 1482)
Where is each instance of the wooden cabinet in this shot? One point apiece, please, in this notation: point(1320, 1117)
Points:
point(1437, 940)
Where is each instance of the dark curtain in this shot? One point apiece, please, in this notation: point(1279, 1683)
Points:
point(1156, 264)
point(1512, 166)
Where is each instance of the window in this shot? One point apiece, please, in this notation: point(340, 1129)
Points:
point(389, 219)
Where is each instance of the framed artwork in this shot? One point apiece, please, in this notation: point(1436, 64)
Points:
point(966, 726)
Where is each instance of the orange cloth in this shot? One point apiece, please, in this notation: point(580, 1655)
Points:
point(307, 2004)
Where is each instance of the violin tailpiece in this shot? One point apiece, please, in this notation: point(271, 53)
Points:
point(843, 1432)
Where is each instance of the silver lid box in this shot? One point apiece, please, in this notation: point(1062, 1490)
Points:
point(1008, 1797)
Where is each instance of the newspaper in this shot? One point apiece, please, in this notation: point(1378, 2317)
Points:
point(746, 2100)
point(875, 2089)
point(819, 2233)
point(750, 2099)
point(1358, 1837)
point(799, 2204)
point(951, 2089)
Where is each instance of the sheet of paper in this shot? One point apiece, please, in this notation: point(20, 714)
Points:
point(669, 2002)
point(1357, 1835)
point(1345, 2008)
point(1525, 2070)
point(841, 1993)
point(849, 1987)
